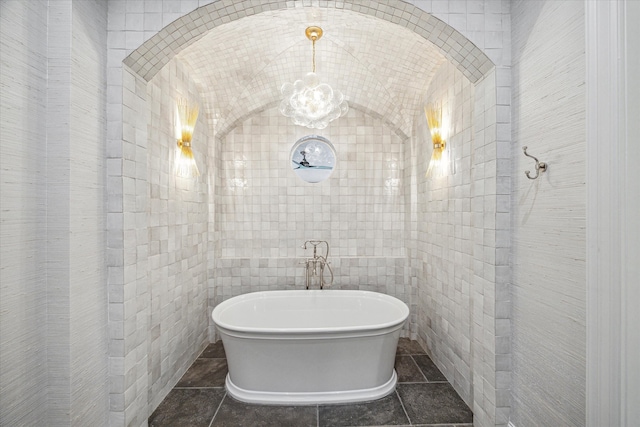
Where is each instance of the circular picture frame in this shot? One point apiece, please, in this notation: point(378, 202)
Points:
point(313, 158)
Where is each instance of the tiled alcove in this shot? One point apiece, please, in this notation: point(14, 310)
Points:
point(130, 288)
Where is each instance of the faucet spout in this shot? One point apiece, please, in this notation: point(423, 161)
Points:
point(315, 244)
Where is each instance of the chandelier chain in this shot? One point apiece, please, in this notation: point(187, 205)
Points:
point(314, 54)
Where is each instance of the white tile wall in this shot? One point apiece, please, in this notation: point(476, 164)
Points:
point(262, 204)
point(458, 272)
point(444, 255)
point(127, 285)
point(159, 245)
point(129, 294)
point(462, 319)
point(177, 243)
point(491, 309)
point(265, 212)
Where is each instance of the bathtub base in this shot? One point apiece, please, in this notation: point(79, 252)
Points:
point(311, 398)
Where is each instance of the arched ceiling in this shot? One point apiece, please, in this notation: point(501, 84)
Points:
point(382, 68)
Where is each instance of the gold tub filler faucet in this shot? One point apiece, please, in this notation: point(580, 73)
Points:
point(315, 266)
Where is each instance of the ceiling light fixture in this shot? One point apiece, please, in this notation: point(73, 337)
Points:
point(311, 103)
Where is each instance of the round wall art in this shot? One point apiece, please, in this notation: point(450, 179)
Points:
point(313, 158)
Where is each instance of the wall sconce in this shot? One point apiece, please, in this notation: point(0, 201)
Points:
point(439, 163)
point(186, 166)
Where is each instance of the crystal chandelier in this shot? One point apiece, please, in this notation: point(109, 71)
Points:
point(311, 103)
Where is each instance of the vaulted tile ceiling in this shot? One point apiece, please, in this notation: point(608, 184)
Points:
point(382, 68)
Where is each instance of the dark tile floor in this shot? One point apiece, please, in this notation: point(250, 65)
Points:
point(423, 397)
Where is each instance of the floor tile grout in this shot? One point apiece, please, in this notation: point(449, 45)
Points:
point(402, 404)
point(217, 409)
point(420, 370)
point(424, 382)
point(195, 388)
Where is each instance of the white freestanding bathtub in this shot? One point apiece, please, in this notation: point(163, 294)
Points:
point(310, 346)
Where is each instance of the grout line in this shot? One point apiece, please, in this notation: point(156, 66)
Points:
point(425, 382)
point(445, 425)
point(217, 409)
point(416, 365)
point(414, 382)
point(203, 350)
point(403, 408)
point(317, 415)
point(197, 388)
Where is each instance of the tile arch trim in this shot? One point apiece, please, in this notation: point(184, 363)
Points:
point(157, 51)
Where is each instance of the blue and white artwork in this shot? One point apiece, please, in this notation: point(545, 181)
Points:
point(313, 158)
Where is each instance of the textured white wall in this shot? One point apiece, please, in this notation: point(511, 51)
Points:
point(549, 240)
point(23, 296)
point(86, 238)
point(53, 72)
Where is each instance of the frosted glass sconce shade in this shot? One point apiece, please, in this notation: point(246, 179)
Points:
point(439, 164)
point(186, 166)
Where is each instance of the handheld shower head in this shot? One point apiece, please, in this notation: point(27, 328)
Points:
point(315, 244)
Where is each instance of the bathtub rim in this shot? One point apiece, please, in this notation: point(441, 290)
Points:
point(310, 332)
